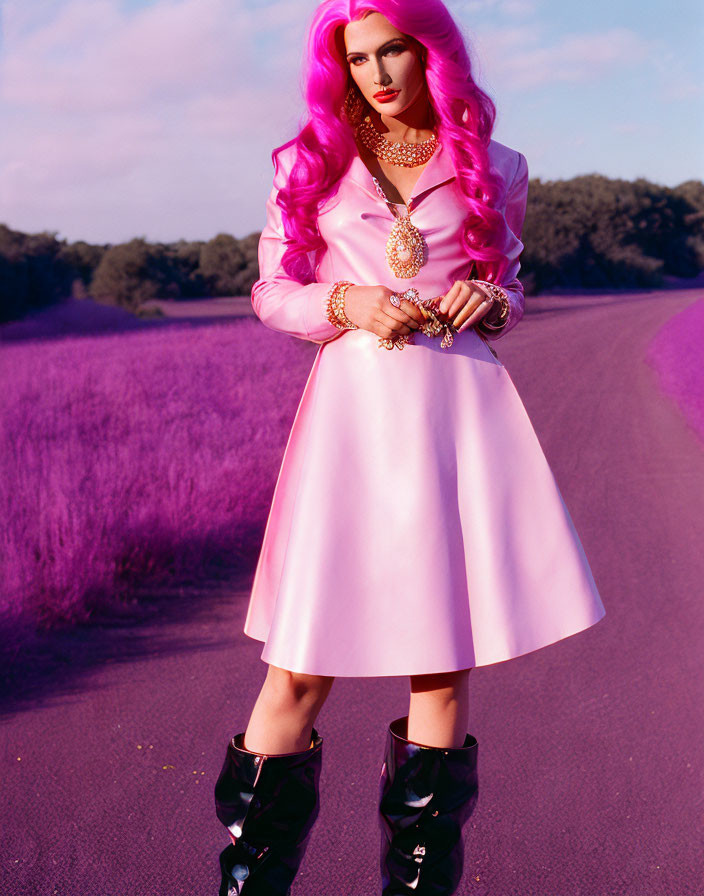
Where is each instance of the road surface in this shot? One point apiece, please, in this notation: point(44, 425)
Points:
point(591, 749)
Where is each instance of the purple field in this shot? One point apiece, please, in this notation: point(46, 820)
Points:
point(133, 457)
point(144, 452)
point(677, 355)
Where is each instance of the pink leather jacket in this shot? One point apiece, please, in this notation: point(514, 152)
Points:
point(355, 224)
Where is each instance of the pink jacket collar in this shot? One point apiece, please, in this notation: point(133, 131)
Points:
point(438, 171)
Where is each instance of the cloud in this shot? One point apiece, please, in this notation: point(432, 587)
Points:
point(99, 104)
point(92, 57)
point(677, 83)
point(160, 118)
point(630, 127)
point(528, 60)
point(504, 8)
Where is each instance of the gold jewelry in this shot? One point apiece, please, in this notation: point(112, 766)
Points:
point(496, 293)
point(398, 341)
point(335, 306)
point(405, 246)
point(433, 326)
point(400, 153)
point(353, 107)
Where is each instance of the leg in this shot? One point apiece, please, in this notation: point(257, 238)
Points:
point(267, 794)
point(427, 789)
point(438, 713)
point(285, 711)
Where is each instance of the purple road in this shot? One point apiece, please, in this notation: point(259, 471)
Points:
point(590, 750)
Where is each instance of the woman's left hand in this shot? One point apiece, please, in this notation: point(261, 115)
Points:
point(465, 304)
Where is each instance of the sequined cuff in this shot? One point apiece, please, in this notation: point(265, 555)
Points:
point(335, 306)
point(497, 293)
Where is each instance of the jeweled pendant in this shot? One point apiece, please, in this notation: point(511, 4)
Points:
point(404, 248)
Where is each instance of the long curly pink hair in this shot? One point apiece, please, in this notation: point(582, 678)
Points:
point(464, 120)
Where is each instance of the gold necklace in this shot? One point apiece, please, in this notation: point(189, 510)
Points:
point(401, 153)
point(405, 246)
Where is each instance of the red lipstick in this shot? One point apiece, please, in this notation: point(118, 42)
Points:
point(385, 96)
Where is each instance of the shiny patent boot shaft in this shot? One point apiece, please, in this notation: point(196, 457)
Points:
point(269, 804)
point(426, 795)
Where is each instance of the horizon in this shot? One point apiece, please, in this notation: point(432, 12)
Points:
point(195, 239)
point(134, 118)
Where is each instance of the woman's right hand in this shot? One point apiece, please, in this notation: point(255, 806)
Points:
point(370, 308)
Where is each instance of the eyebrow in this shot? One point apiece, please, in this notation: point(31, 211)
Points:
point(393, 40)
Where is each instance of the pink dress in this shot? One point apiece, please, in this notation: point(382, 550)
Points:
point(416, 525)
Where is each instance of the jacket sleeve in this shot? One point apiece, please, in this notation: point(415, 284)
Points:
point(279, 301)
point(515, 213)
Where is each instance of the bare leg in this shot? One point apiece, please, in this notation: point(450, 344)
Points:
point(438, 714)
point(285, 711)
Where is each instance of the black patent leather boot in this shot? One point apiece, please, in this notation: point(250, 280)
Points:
point(269, 804)
point(426, 794)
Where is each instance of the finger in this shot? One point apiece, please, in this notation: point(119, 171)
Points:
point(403, 313)
point(476, 315)
point(450, 296)
point(457, 306)
point(464, 295)
point(476, 300)
point(410, 311)
point(413, 311)
point(396, 323)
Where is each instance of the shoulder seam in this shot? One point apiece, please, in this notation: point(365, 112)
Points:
point(518, 168)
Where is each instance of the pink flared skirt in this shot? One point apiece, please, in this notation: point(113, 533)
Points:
point(416, 525)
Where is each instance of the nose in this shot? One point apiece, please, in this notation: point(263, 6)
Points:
point(381, 78)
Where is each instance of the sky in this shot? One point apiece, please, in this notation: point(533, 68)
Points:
point(157, 118)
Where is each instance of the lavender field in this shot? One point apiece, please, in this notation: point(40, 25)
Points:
point(145, 452)
point(134, 456)
point(677, 355)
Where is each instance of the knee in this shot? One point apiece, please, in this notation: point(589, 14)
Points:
point(297, 688)
point(440, 682)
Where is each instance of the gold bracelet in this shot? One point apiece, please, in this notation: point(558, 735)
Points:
point(335, 307)
point(498, 293)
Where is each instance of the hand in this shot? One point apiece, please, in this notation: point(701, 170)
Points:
point(370, 308)
point(465, 304)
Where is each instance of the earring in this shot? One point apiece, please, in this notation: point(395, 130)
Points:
point(353, 107)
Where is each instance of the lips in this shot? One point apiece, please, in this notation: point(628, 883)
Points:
point(385, 96)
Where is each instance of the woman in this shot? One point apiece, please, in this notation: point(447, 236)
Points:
point(416, 528)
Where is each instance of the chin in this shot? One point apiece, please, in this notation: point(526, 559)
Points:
point(391, 109)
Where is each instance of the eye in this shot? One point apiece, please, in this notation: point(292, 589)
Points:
point(395, 48)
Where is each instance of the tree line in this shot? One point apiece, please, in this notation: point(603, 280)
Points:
point(588, 232)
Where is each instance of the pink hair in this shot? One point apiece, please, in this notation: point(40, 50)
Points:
point(464, 118)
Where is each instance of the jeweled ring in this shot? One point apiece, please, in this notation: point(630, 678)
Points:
point(411, 294)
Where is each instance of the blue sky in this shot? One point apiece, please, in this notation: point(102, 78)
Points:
point(126, 118)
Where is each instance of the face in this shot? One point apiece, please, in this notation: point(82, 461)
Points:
point(379, 56)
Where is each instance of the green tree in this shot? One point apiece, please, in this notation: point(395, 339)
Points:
point(222, 263)
point(128, 275)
